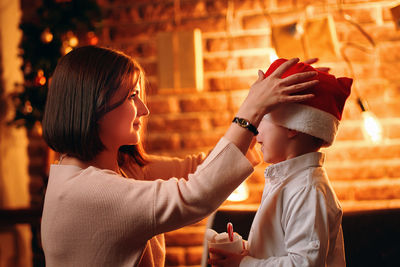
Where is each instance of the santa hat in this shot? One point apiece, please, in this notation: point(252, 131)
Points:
point(320, 115)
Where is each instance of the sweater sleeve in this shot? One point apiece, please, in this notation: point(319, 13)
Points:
point(179, 202)
point(94, 217)
point(306, 225)
point(167, 167)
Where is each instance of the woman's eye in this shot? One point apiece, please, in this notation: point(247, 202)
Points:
point(134, 94)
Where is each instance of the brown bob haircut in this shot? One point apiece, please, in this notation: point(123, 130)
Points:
point(80, 90)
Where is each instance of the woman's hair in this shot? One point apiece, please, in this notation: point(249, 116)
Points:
point(80, 90)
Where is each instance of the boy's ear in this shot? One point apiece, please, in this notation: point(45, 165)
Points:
point(291, 133)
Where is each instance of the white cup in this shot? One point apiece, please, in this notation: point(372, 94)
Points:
point(222, 242)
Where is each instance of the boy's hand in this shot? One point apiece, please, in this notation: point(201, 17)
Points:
point(223, 258)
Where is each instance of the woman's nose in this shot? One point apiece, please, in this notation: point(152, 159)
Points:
point(142, 109)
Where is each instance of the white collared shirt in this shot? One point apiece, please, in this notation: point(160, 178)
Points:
point(299, 220)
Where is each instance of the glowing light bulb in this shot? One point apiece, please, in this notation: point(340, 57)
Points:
point(240, 194)
point(372, 128)
point(299, 29)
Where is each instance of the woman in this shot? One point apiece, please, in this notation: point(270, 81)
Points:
point(93, 216)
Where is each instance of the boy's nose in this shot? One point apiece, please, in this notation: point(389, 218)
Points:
point(257, 139)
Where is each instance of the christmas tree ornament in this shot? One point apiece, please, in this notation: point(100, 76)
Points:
point(28, 107)
point(93, 39)
point(46, 36)
point(40, 79)
point(72, 39)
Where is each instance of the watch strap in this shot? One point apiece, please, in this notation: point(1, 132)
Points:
point(245, 124)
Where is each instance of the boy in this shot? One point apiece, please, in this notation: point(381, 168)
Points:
point(299, 220)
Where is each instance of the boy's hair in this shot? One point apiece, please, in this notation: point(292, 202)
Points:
point(80, 90)
point(314, 142)
point(318, 142)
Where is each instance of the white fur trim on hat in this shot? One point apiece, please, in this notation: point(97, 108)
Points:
point(306, 119)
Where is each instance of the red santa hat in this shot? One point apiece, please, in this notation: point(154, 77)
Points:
point(320, 115)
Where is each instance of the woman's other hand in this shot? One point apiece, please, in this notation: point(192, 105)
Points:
point(223, 258)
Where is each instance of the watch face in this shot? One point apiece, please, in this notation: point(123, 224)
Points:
point(243, 123)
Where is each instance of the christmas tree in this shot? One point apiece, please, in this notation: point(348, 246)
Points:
point(50, 30)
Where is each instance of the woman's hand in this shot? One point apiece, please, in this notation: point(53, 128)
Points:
point(267, 93)
point(264, 95)
point(223, 258)
point(253, 155)
point(314, 60)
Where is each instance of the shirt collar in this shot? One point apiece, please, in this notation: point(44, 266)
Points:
point(280, 171)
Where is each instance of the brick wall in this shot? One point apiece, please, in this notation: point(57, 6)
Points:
point(364, 175)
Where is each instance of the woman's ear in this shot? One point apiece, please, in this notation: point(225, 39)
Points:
point(291, 133)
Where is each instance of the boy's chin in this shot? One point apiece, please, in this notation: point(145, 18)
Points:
point(271, 160)
point(267, 159)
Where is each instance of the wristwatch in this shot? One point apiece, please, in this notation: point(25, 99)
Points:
point(245, 124)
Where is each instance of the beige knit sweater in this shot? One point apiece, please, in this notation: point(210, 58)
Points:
point(161, 168)
point(93, 217)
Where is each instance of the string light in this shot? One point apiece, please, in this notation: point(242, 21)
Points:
point(371, 128)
